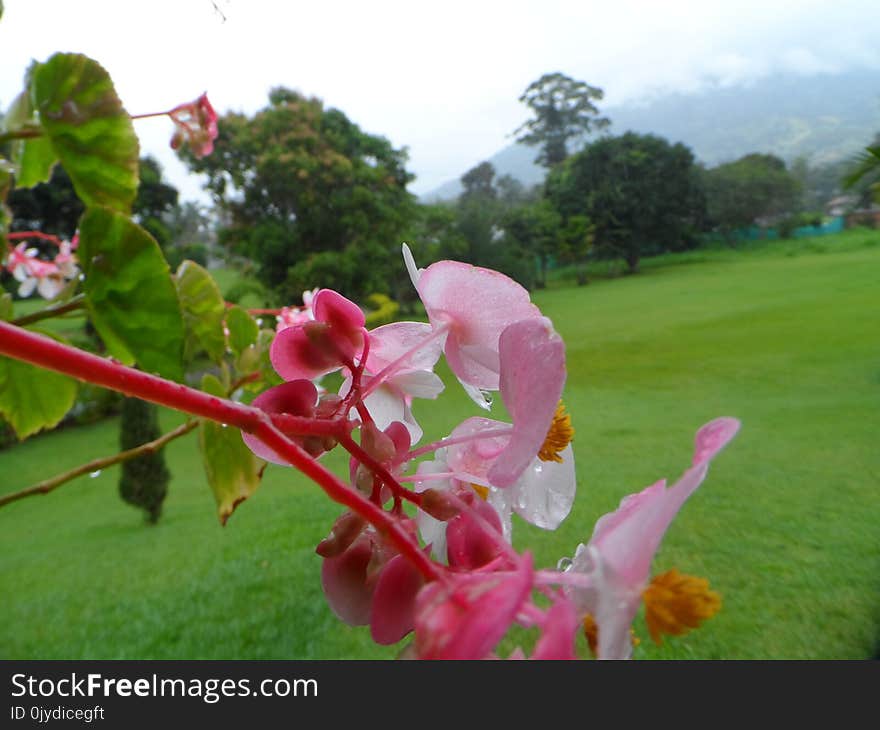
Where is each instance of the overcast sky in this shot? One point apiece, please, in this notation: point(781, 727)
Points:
point(442, 79)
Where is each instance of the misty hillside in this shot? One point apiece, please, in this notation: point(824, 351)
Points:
point(824, 118)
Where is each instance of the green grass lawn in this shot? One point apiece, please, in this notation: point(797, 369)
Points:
point(786, 527)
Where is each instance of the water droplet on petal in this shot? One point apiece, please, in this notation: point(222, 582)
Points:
point(95, 474)
point(564, 564)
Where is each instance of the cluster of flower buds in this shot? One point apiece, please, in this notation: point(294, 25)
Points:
point(47, 277)
point(196, 124)
point(469, 484)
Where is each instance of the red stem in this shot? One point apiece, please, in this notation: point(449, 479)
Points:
point(24, 235)
point(359, 453)
point(51, 355)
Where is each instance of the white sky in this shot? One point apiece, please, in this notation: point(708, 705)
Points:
point(442, 79)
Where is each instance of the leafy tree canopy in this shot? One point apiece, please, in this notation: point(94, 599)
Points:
point(640, 193)
point(562, 109)
point(754, 187)
point(302, 184)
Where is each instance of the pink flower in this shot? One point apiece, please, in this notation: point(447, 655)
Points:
point(399, 368)
point(465, 616)
point(472, 306)
point(196, 124)
point(34, 274)
point(618, 556)
point(294, 398)
point(327, 344)
point(369, 583)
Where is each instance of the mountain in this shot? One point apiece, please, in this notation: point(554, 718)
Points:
point(823, 117)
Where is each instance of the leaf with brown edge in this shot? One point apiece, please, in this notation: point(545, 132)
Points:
point(233, 470)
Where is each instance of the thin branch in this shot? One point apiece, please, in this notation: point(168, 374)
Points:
point(53, 483)
point(77, 302)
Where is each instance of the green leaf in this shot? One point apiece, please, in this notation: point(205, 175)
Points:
point(243, 329)
point(6, 171)
point(233, 471)
point(89, 130)
point(33, 158)
point(35, 162)
point(129, 293)
point(6, 308)
point(32, 398)
point(203, 310)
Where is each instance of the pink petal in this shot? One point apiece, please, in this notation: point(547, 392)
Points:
point(344, 317)
point(468, 545)
point(473, 459)
point(558, 632)
point(392, 341)
point(532, 376)
point(296, 355)
point(629, 537)
point(345, 583)
point(394, 601)
point(296, 398)
point(713, 437)
point(466, 616)
point(478, 304)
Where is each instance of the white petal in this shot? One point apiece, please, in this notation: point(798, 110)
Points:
point(418, 383)
point(414, 273)
point(27, 287)
point(544, 494)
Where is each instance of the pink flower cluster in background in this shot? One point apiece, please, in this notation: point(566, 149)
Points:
point(34, 274)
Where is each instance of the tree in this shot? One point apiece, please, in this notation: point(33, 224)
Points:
point(144, 479)
point(863, 177)
point(640, 193)
point(50, 207)
point(302, 186)
point(754, 188)
point(156, 202)
point(563, 109)
point(535, 227)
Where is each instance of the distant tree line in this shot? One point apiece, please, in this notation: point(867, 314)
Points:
point(309, 199)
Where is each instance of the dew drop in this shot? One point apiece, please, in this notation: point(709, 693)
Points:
point(95, 474)
point(564, 564)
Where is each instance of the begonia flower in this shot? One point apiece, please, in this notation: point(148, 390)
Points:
point(465, 616)
point(44, 277)
point(472, 306)
point(196, 124)
point(327, 344)
point(399, 368)
point(294, 398)
point(619, 554)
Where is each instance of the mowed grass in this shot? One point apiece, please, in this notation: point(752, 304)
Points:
point(786, 527)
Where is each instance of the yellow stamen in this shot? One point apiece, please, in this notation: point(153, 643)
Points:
point(591, 631)
point(559, 436)
point(676, 603)
point(482, 492)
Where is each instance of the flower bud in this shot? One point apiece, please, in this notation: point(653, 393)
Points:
point(437, 504)
point(377, 444)
point(344, 532)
